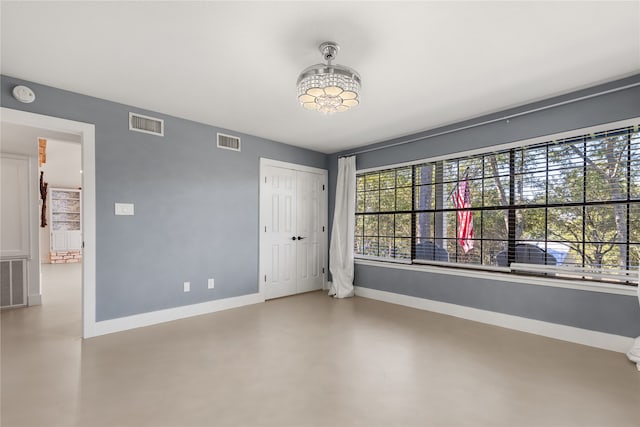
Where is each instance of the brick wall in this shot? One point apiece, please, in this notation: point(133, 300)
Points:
point(65, 257)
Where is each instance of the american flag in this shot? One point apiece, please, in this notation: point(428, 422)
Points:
point(462, 200)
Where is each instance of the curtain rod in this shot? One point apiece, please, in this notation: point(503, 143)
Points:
point(499, 119)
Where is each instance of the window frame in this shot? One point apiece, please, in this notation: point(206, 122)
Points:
point(457, 267)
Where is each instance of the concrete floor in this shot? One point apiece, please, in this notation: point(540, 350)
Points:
point(303, 360)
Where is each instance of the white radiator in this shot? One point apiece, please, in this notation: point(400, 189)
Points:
point(13, 283)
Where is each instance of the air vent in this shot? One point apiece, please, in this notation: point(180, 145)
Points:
point(146, 124)
point(228, 142)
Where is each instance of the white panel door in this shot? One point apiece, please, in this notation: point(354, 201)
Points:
point(74, 240)
point(292, 248)
point(58, 241)
point(310, 255)
point(14, 204)
point(279, 234)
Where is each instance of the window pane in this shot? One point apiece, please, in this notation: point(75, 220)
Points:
point(359, 225)
point(566, 185)
point(635, 178)
point(360, 204)
point(371, 225)
point(470, 257)
point(634, 257)
point(494, 225)
point(471, 167)
point(403, 199)
point(372, 201)
point(605, 255)
point(403, 177)
point(386, 225)
point(387, 179)
point(385, 247)
point(530, 160)
point(430, 251)
point(372, 181)
point(475, 192)
point(530, 224)
point(605, 223)
point(635, 166)
point(403, 225)
point(425, 197)
point(564, 224)
point(496, 165)
point(360, 183)
point(403, 248)
point(566, 154)
point(425, 174)
point(607, 168)
point(424, 227)
point(494, 252)
point(358, 246)
point(634, 223)
point(531, 189)
point(450, 172)
point(387, 200)
point(496, 191)
point(370, 246)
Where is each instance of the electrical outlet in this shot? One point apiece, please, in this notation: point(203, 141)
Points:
point(210, 284)
point(187, 286)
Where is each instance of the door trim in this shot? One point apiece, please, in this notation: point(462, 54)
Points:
point(264, 163)
point(86, 131)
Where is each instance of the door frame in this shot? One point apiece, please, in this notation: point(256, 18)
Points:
point(86, 132)
point(264, 163)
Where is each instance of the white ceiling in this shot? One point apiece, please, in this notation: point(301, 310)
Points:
point(235, 64)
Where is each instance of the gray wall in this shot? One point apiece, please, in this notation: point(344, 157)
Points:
point(196, 206)
point(596, 311)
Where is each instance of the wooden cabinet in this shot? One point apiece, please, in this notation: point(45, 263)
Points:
point(65, 220)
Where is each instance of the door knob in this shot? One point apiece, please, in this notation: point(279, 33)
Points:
point(293, 238)
point(300, 238)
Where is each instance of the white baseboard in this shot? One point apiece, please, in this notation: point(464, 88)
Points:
point(147, 319)
point(35, 299)
point(596, 339)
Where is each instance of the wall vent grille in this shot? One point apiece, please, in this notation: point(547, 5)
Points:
point(228, 142)
point(13, 283)
point(146, 124)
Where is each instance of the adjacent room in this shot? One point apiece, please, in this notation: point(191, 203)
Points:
point(320, 213)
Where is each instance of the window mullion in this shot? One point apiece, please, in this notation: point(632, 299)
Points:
point(628, 222)
point(511, 230)
point(584, 200)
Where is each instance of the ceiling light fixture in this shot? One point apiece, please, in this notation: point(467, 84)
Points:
point(329, 88)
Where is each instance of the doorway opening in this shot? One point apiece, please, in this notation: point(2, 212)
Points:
point(60, 182)
point(63, 130)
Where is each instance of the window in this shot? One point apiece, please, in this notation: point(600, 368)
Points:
point(572, 203)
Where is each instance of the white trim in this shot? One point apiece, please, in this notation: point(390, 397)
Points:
point(35, 299)
point(86, 131)
point(508, 145)
point(286, 165)
point(606, 288)
point(154, 317)
point(552, 330)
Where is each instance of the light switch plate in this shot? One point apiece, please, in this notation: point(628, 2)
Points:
point(124, 209)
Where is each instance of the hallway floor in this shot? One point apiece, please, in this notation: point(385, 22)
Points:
point(303, 360)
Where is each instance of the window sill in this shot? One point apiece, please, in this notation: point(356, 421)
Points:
point(506, 277)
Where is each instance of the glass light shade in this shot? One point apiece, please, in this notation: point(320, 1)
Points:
point(329, 88)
